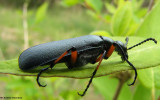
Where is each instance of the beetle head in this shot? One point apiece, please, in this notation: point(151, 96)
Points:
point(121, 49)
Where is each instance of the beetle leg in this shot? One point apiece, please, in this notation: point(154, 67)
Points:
point(108, 54)
point(90, 81)
point(99, 58)
point(135, 72)
point(126, 59)
point(73, 60)
point(51, 66)
point(39, 76)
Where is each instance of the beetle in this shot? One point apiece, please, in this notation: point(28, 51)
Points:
point(75, 52)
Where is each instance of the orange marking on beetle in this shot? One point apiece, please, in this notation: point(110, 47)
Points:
point(110, 51)
point(98, 59)
point(60, 57)
point(74, 56)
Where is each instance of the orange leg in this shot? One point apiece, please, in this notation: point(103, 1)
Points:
point(74, 55)
point(99, 59)
point(90, 81)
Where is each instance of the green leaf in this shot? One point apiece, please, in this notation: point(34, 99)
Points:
point(107, 87)
point(121, 19)
point(150, 25)
point(137, 5)
point(141, 12)
point(150, 77)
point(134, 24)
point(108, 18)
point(95, 4)
point(110, 7)
point(101, 33)
point(147, 51)
point(138, 93)
point(69, 3)
point(41, 12)
point(150, 28)
point(93, 14)
point(121, 2)
point(157, 93)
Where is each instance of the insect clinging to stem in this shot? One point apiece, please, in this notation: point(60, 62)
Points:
point(75, 52)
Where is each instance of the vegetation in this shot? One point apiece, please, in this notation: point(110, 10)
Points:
point(24, 24)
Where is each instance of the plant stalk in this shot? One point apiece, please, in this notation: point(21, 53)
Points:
point(25, 25)
point(151, 3)
point(122, 77)
point(120, 85)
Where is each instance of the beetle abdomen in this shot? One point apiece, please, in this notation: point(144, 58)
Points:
point(47, 52)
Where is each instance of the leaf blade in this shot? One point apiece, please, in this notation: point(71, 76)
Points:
point(121, 19)
point(109, 66)
point(41, 12)
point(150, 25)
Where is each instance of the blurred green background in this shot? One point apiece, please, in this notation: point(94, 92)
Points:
point(25, 23)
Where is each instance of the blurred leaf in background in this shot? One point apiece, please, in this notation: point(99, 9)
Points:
point(96, 5)
point(122, 19)
point(71, 18)
point(41, 12)
point(69, 3)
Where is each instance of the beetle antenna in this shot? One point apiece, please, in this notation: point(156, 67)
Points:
point(127, 39)
point(94, 73)
point(155, 41)
point(39, 76)
point(129, 64)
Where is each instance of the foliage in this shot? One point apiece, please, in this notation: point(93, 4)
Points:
point(109, 66)
point(69, 3)
point(118, 18)
point(41, 12)
point(126, 20)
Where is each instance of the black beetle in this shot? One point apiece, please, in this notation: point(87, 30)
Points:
point(75, 52)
